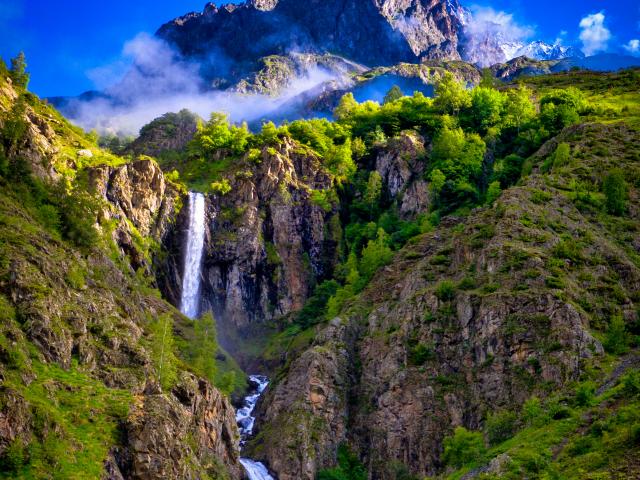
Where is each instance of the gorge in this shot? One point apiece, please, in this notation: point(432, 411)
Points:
point(435, 278)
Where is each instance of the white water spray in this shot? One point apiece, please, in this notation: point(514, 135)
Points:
point(190, 300)
point(245, 419)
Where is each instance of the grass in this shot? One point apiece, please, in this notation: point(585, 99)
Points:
point(77, 420)
point(592, 442)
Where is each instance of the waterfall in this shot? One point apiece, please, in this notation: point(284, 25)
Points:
point(245, 419)
point(190, 299)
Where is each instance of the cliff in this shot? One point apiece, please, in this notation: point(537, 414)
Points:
point(79, 364)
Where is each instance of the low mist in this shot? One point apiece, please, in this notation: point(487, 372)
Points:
point(152, 79)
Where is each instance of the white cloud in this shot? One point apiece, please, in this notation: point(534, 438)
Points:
point(486, 20)
point(151, 79)
point(493, 36)
point(594, 34)
point(633, 46)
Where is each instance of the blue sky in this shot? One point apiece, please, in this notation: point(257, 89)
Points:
point(66, 41)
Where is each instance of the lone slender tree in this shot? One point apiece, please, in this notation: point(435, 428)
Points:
point(18, 72)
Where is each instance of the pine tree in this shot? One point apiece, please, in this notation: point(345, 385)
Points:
point(162, 350)
point(18, 72)
point(205, 346)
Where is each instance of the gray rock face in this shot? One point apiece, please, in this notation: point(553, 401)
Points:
point(138, 193)
point(267, 242)
point(401, 164)
point(307, 411)
point(380, 32)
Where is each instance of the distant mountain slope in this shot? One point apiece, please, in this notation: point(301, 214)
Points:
point(376, 33)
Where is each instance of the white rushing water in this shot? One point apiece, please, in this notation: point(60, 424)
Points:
point(245, 419)
point(190, 300)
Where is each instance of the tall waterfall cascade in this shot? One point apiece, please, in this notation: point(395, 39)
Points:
point(255, 470)
point(190, 299)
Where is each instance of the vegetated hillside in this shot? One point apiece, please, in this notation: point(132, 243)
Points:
point(94, 381)
point(515, 311)
point(498, 229)
point(426, 264)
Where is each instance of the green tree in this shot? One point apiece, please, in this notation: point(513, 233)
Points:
point(393, 94)
point(488, 79)
point(339, 161)
point(373, 190)
point(451, 95)
point(487, 105)
point(346, 107)
point(349, 467)
point(437, 183)
point(18, 72)
point(615, 191)
point(375, 255)
point(205, 346)
point(161, 345)
point(269, 133)
point(463, 447)
point(500, 426)
point(519, 108)
point(616, 340)
point(218, 134)
point(533, 413)
point(493, 192)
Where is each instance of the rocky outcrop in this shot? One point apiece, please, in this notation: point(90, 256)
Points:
point(170, 132)
point(522, 66)
point(35, 143)
point(308, 409)
point(158, 425)
point(401, 165)
point(268, 241)
point(145, 204)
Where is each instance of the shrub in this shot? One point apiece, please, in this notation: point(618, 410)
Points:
point(420, 354)
point(532, 412)
point(631, 383)
point(562, 155)
point(221, 187)
point(615, 191)
point(375, 255)
point(349, 467)
point(493, 192)
point(321, 198)
point(585, 394)
point(78, 211)
point(75, 277)
point(161, 345)
point(13, 457)
point(204, 347)
point(315, 308)
point(463, 447)
point(445, 290)
point(616, 340)
point(500, 426)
